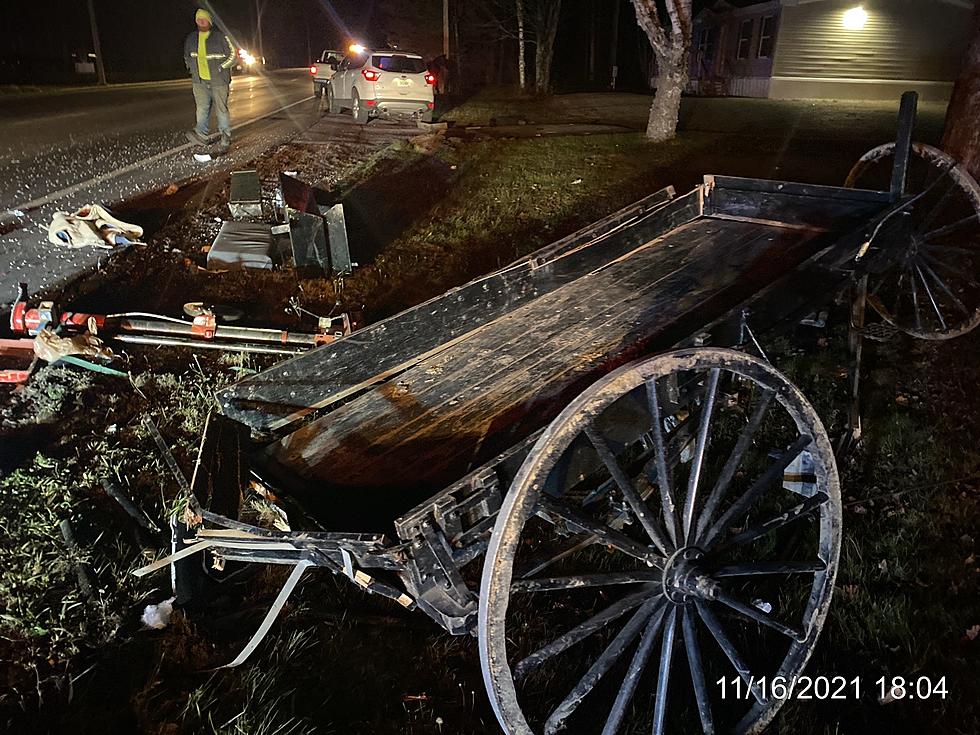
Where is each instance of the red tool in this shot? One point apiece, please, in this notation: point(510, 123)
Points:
point(153, 329)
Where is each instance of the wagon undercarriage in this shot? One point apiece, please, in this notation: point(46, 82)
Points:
point(585, 460)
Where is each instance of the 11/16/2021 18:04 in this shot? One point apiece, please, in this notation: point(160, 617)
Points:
point(830, 687)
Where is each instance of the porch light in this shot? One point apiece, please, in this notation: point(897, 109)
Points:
point(855, 19)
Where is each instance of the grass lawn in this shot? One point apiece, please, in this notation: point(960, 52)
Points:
point(341, 662)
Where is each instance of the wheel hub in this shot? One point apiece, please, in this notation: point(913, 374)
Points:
point(684, 580)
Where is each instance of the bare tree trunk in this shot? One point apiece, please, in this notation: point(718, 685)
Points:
point(549, 11)
point(614, 46)
point(671, 80)
point(591, 42)
point(961, 139)
point(521, 61)
point(672, 48)
point(456, 60)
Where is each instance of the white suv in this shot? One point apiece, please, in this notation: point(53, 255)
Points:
point(382, 83)
point(323, 69)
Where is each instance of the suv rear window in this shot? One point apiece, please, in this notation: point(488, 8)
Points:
point(399, 64)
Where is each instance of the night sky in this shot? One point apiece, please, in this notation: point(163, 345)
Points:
point(143, 39)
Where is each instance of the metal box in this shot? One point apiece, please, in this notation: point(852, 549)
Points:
point(246, 195)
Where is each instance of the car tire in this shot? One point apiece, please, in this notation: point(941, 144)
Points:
point(358, 110)
point(333, 107)
point(317, 90)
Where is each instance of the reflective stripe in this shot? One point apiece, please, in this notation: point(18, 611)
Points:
point(232, 55)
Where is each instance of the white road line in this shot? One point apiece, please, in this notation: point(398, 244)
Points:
point(55, 195)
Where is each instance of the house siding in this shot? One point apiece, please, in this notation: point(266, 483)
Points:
point(726, 74)
point(906, 44)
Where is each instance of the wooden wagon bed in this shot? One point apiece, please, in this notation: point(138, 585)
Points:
point(404, 439)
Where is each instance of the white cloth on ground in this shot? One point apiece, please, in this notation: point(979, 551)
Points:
point(92, 225)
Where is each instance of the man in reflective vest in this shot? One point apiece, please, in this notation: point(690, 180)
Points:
point(210, 55)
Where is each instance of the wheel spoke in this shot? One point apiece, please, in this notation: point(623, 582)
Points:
point(937, 207)
point(953, 270)
point(663, 475)
point(637, 666)
point(697, 672)
point(606, 660)
point(663, 675)
point(542, 559)
point(639, 506)
point(697, 462)
point(745, 503)
point(899, 292)
point(769, 567)
point(734, 461)
point(915, 301)
point(580, 632)
point(757, 615)
point(553, 584)
point(603, 533)
point(728, 648)
point(932, 299)
point(924, 267)
point(769, 525)
point(952, 249)
point(958, 225)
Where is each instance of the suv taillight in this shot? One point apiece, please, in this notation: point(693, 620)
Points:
point(430, 78)
point(313, 70)
point(371, 75)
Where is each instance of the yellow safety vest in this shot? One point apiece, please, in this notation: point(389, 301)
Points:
point(202, 55)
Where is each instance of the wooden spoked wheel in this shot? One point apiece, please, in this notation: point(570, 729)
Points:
point(926, 280)
point(672, 537)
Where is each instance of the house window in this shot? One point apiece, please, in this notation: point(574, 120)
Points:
point(706, 43)
point(766, 36)
point(745, 38)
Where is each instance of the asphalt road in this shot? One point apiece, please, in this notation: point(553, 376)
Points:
point(51, 142)
point(62, 150)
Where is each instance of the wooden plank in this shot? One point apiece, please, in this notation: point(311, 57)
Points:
point(284, 394)
point(790, 187)
point(798, 209)
point(403, 440)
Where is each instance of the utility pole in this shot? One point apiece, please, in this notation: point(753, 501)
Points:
point(99, 66)
point(614, 44)
point(260, 52)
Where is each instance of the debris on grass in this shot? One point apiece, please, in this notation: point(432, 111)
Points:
point(157, 617)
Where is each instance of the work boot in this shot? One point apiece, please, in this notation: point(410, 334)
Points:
point(224, 145)
point(195, 137)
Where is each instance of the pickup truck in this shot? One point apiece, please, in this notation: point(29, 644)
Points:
point(323, 69)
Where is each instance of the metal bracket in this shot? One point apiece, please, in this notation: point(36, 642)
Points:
point(435, 580)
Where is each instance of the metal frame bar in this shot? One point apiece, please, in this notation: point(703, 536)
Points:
point(903, 144)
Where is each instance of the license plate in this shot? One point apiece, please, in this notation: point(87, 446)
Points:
point(403, 82)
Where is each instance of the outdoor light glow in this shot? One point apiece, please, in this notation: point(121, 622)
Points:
point(356, 48)
point(855, 18)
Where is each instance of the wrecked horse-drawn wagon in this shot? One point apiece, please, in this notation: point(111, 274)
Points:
point(585, 458)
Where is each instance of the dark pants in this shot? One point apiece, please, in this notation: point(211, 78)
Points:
point(208, 95)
